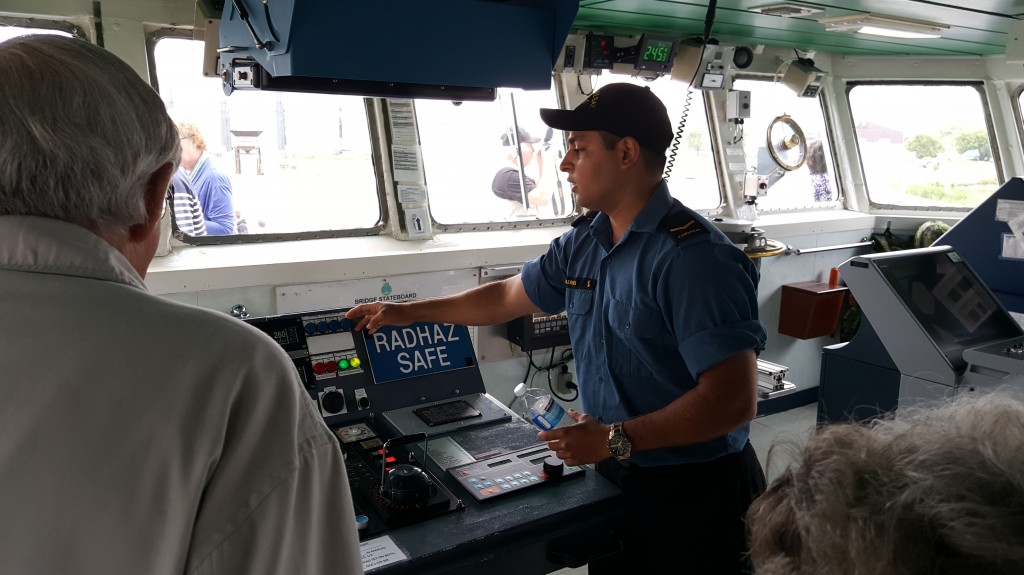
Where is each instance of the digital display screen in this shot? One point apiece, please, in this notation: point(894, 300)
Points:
point(948, 301)
point(532, 453)
point(499, 463)
point(655, 53)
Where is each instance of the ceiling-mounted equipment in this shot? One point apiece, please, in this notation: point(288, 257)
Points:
point(787, 10)
point(743, 57)
point(704, 66)
point(655, 53)
point(444, 49)
point(571, 59)
point(880, 25)
point(601, 53)
point(804, 78)
point(786, 143)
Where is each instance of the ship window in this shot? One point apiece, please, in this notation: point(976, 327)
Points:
point(298, 163)
point(924, 145)
point(8, 31)
point(476, 163)
point(813, 183)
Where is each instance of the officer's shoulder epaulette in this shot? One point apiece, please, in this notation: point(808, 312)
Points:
point(682, 226)
point(586, 217)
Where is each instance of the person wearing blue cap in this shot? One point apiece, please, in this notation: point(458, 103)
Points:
point(664, 326)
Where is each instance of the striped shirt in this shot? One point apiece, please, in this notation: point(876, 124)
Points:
point(188, 213)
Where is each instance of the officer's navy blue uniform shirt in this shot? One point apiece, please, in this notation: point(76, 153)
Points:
point(648, 315)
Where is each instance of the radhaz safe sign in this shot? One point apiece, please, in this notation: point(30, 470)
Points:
point(418, 349)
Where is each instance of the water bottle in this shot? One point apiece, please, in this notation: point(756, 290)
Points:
point(538, 407)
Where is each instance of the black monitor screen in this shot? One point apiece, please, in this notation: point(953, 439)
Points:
point(949, 302)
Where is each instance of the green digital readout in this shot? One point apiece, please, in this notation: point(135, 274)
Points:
point(656, 51)
point(655, 54)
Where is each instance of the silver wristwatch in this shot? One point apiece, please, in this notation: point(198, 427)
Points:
point(618, 442)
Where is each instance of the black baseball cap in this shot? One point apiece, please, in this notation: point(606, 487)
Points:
point(621, 109)
point(524, 138)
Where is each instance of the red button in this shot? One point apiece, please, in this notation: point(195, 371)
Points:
point(318, 368)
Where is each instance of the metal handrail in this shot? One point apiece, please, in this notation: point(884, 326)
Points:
point(864, 242)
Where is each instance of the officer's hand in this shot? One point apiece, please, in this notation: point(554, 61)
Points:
point(373, 315)
point(585, 442)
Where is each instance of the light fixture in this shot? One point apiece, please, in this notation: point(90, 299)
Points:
point(878, 25)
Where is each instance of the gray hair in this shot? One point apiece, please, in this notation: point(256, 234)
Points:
point(932, 491)
point(80, 133)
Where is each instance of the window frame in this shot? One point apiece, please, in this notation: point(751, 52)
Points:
point(384, 182)
point(75, 30)
point(979, 86)
point(1018, 114)
point(828, 121)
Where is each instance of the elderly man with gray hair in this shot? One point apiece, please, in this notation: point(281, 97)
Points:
point(932, 491)
point(139, 435)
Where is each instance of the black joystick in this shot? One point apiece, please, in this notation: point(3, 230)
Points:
point(553, 466)
point(407, 484)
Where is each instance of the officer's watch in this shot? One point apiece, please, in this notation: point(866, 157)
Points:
point(619, 443)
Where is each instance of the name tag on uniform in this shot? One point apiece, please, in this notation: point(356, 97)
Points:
point(581, 283)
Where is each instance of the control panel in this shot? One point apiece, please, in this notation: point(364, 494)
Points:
point(1003, 357)
point(514, 471)
point(352, 375)
point(539, 331)
point(434, 463)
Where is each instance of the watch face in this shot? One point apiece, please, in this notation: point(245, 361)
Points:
point(618, 444)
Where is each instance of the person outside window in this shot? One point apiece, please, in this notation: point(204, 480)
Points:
point(819, 172)
point(506, 184)
point(188, 214)
point(212, 186)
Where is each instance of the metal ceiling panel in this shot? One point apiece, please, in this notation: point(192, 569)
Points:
point(977, 27)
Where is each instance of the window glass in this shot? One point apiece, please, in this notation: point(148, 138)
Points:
point(812, 184)
point(8, 32)
point(923, 145)
point(693, 179)
point(295, 162)
point(474, 169)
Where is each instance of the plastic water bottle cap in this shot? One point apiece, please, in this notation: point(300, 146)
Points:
point(520, 390)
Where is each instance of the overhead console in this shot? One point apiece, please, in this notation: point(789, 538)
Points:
point(446, 49)
point(435, 464)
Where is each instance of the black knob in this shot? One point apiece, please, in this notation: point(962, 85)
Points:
point(332, 401)
point(553, 466)
point(407, 484)
point(363, 402)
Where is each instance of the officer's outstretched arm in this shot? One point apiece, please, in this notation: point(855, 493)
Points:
point(488, 304)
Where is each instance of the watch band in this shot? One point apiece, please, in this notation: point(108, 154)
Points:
point(619, 444)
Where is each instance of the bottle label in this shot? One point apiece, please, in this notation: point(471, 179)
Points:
point(550, 417)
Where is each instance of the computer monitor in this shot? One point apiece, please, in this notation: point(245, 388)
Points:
point(927, 296)
point(949, 302)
